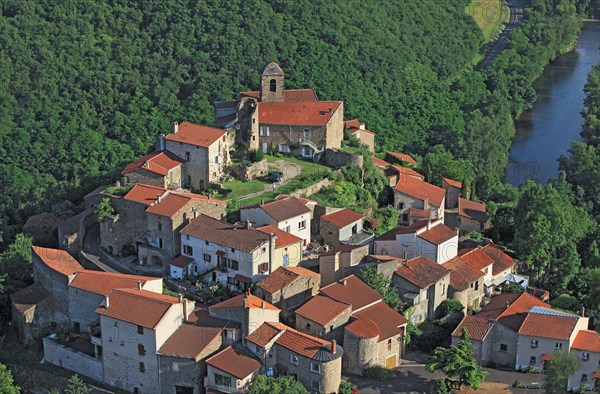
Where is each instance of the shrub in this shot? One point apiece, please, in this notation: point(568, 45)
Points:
point(518, 384)
point(476, 235)
point(379, 373)
point(450, 305)
point(345, 388)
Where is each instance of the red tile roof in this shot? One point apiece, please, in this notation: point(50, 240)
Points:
point(264, 334)
point(157, 162)
point(343, 217)
point(283, 208)
point(140, 307)
point(388, 320)
point(234, 362)
point(144, 194)
point(437, 235)
point(476, 327)
point(502, 261)
point(282, 277)
point(406, 171)
point(212, 230)
point(58, 260)
point(510, 308)
point(546, 357)
point(403, 157)
point(297, 113)
point(28, 297)
point(421, 190)
point(380, 163)
point(189, 341)
point(596, 375)
point(289, 95)
point(472, 209)
point(421, 271)
point(301, 343)
point(419, 213)
point(182, 261)
point(354, 292)
point(283, 237)
point(461, 274)
point(475, 258)
point(352, 124)
point(103, 282)
point(197, 135)
point(587, 340)
point(238, 302)
point(548, 326)
point(202, 317)
point(322, 310)
point(453, 183)
point(173, 202)
point(363, 327)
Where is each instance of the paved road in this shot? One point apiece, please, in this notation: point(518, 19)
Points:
point(516, 17)
point(91, 250)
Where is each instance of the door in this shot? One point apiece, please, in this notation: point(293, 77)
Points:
point(265, 147)
point(390, 362)
point(286, 260)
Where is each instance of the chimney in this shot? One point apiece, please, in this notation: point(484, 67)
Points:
point(330, 111)
point(426, 203)
point(405, 254)
point(344, 282)
point(161, 142)
point(194, 214)
point(159, 198)
point(262, 305)
point(247, 225)
point(175, 127)
point(333, 346)
point(245, 303)
point(428, 224)
point(139, 285)
point(507, 304)
point(185, 309)
point(583, 311)
point(106, 303)
point(179, 298)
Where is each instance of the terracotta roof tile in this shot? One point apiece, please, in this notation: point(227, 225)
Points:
point(282, 277)
point(30, 296)
point(476, 258)
point(159, 162)
point(476, 327)
point(140, 307)
point(461, 274)
point(103, 282)
point(197, 135)
point(58, 260)
point(439, 234)
point(363, 327)
point(322, 310)
point(235, 362)
point(502, 261)
point(508, 304)
point(343, 217)
point(301, 343)
point(182, 261)
point(548, 326)
point(453, 183)
point(354, 292)
point(297, 113)
point(289, 95)
point(238, 302)
point(419, 213)
point(173, 202)
point(405, 171)
point(283, 208)
point(304, 201)
point(201, 317)
point(472, 209)
point(189, 341)
point(421, 271)
point(264, 334)
point(380, 163)
point(403, 157)
point(144, 194)
point(283, 237)
point(587, 340)
point(209, 229)
point(421, 190)
point(388, 320)
point(352, 124)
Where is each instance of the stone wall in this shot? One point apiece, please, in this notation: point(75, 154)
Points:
point(338, 159)
point(312, 189)
point(145, 177)
point(330, 332)
point(290, 136)
point(335, 129)
point(127, 227)
point(70, 359)
point(359, 353)
point(82, 307)
point(249, 172)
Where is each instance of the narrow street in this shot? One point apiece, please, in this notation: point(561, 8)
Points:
point(516, 17)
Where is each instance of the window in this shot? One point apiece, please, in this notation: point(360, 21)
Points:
point(331, 327)
point(306, 134)
point(389, 344)
point(294, 359)
point(221, 380)
point(159, 226)
point(232, 250)
point(217, 159)
point(476, 285)
point(302, 225)
point(142, 368)
point(264, 131)
point(262, 268)
point(176, 367)
point(287, 229)
point(308, 326)
point(443, 288)
point(532, 360)
point(273, 85)
point(585, 356)
point(405, 217)
point(208, 243)
point(534, 343)
point(187, 249)
point(141, 350)
point(558, 345)
point(503, 347)
point(283, 148)
point(314, 367)
point(401, 205)
point(233, 264)
point(315, 385)
point(141, 330)
point(160, 243)
point(584, 377)
point(76, 327)
point(207, 257)
point(187, 156)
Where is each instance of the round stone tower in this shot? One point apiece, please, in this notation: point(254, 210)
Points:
point(360, 344)
point(271, 83)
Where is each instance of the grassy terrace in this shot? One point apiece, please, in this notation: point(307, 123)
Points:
point(489, 16)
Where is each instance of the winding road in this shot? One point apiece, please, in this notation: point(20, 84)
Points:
point(516, 17)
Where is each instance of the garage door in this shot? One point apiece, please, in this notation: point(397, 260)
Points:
point(390, 362)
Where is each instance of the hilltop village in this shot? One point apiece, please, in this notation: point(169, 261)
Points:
point(203, 267)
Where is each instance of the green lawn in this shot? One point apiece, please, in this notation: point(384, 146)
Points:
point(239, 188)
point(489, 16)
point(308, 167)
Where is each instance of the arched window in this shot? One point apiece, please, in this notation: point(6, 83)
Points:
point(273, 84)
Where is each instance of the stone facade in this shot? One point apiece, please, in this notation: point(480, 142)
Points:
point(429, 299)
point(470, 297)
point(359, 353)
point(81, 363)
point(335, 236)
point(126, 229)
point(249, 172)
point(403, 203)
point(334, 267)
point(292, 295)
point(333, 330)
point(57, 285)
point(336, 159)
point(170, 181)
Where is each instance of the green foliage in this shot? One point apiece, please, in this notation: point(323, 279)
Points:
point(449, 306)
point(53, 391)
point(279, 385)
point(379, 373)
point(257, 155)
point(7, 385)
point(345, 388)
point(476, 235)
point(104, 209)
point(566, 302)
point(441, 163)
point(513, 288)
point(77, 386)
point(381, 284)
point(562, 365)
point(458, 363)
point(119, 190)
point(443, 387)
point(384, 219)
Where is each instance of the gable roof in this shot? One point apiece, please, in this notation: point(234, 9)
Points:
point(475, 258)
point(421, 190)
point(308, 113)
point(452, 182)
point(173, 202)
point(587, 340)
point(282, 277)
point(462, 274)
point(195, 134)
point(472, 209)
point(548, 326)
point(322, 310)
point(438, 234)
point(502, 261)
point(144, 194)
point(403, 157)
point(212, 230)
point(343, 217)
point(283, 208)
point(387, 319)
point(421, 271)
point(140, 307)
point(58, 260)
point(353, 291)
point(238, 302)
point(158, 162)
point(283, 237)
point(265, 333)
point(42, 221)
point(182, 261)
point(189, 341)
point(289, 95)
point(380, 163)
point(510, 304)
point(403, 171)
point(104, 282)
point(476, 327)
point(363, 327)
point(202, 317)
point(29, 297)
point(235, 362)
point(304, 344)
point(352, 124)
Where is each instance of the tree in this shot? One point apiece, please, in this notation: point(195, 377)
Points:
point(7, 385)
point(278, 385)
point(381, 284)
point(104, 209)
point(385, 219)
point(77, 386)
point(562, 365)
point(458, 363)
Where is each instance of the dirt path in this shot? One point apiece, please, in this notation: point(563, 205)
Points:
point(290, 171)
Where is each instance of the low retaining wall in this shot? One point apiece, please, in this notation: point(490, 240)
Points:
point(71, 359)
point(312, 189)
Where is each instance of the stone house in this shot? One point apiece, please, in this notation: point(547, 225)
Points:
point(472, 216)
point(181, 266)
point(231, 370)
point(466, 284)
point(424, 284)
point(323, 317)
point(401, 158)
point(428, 238)
point(204, 150)
point(412, 192)
point(288, 287)
point(394, 173)
point(243, 254)
point(453, 189)
point(159, 168)
point(379, 163)
point(503, 264)
point(477, 259)
point(364, 136)
point(333, 265)
point(288, 247)
point(343, 226)
point(42, 227)
point(289, 214)
point(32, 312)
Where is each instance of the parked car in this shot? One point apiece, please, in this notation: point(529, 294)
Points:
point(276, 176)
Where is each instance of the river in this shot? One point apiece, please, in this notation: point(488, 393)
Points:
point(545, 132)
